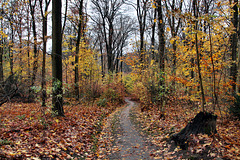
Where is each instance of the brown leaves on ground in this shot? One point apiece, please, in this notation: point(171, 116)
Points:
point(29, 131)
point(161, 125)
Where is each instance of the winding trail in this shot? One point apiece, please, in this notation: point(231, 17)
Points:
point(131, 144)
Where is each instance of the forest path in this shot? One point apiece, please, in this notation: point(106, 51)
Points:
point(131, 145)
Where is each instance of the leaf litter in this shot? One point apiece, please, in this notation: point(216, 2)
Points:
point(27, 133)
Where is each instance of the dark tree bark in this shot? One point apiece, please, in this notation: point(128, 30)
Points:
point(1, 61)
point(215, 99)
point(198, 55)
point(233, 70)
point(153, 35)
point(28, 53)
point(141, 15)
point(44, 38)
point(1, 57)
point(79, 34)
point(35, 50)
point(57, 99)
point(11, 49)
point(161, 36)
point(102, 57)
point(204, 123)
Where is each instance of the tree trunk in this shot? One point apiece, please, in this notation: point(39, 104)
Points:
point(28, 54)
point(153, 57)
point(198, 55)
point(57, 99)
point(161, 41)
point(1, 61)
point(141, 14)
point(35, 51)
point(110, 50)
point(215, 99)
point(44, 37)
point(1, 53)
point(11, 51)
point(102, 58)
point(1, 58)
point(233, 70)
point(204, 123)
point(76, 80)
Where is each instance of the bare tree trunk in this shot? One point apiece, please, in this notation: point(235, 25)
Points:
point(102, 59)
point(233, 70)
point(28, 54)
point(44, 37)
point(198, 55)
point(161, 40)
point(11, 50)
point(35, 56)
point(57, 99)
point(1, 62)
point(215, 101)
point(110, 50)
point(141, 14)
point(153, 35)
point(1, 56)
point(77, 94)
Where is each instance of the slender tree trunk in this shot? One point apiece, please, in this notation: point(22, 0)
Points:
point(44, 37)
point(44, 95)
point(153, 35)
point(1, 62)
point(102, 58)
point(57, 99)
point(121, 67)
point(161, 51)
point(141, 14)
point(161, 40)
point(233, 70)
point(110, 51)
point(20, 53)
point(35, 51)
point(28, 54)
point(215, 101)
point(11, 51)
point(1, 57)
point(198, 55)
point(77, 94)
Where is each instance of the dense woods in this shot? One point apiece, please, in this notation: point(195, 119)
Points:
point(66, 65)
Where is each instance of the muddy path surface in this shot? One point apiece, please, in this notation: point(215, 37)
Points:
point(128, 142)
point(121, 139)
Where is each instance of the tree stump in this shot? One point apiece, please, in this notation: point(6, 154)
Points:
point(203, 122)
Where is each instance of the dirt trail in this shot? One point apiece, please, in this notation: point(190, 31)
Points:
point(130, 143)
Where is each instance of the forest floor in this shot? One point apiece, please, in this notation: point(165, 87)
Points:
point(88, 131)
point(132, 134)
point(29, 131)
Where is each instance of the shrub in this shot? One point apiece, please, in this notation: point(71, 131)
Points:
point(92, 91)
point(128, 83)
point(113, 92)
point(102, 102)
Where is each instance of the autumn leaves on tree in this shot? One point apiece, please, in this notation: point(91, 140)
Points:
point(178, 33)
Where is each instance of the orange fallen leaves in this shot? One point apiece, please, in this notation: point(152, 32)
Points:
point(26, 133)
point(225, 144)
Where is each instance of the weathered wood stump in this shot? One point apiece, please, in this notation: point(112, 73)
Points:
point(203, 122)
